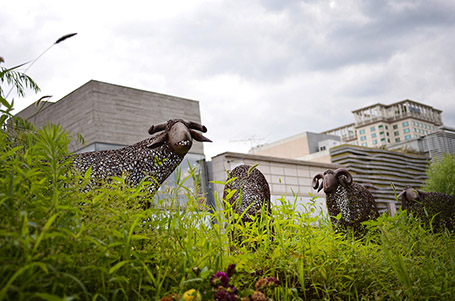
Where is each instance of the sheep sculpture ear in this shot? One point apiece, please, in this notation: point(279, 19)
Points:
point(158, 141)
point(199, 137)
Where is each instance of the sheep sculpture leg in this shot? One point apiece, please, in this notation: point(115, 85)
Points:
point(156, 157)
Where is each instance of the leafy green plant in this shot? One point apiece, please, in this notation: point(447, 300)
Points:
point(441, 175)
point(59, 241)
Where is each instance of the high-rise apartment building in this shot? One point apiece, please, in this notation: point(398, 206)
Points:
point(382, 125)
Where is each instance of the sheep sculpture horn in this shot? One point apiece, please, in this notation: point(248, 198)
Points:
point(197, 126)
point(343, 172)
point(315, 182)
point(157, 128)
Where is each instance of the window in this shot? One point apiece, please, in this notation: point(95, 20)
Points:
point(413, 123)
point(363, 138)
point(407, 137)
point(395, 126)
point(414, 130)
point(372, 129)
point(362, 131)
point(396, 133)
point(375, 141)
point(364, 144)
point(322, 148)
point(373, 135)
point(397, 139)
point(406, 130)
point(382, 139)
point(380, 126)
point(405, 123)
point(386, 127)
point(388, 140)
point(388, 134)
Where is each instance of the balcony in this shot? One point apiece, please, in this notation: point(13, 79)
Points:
point(436, 121)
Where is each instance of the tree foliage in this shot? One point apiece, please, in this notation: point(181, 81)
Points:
point(441, 175)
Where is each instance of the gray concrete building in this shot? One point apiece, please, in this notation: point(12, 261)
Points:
point(434, 145)
point(289, 179)
point(111, 116)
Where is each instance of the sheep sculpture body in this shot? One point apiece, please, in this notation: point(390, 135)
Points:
point(252, 192)
point(426, 205)
point(156, 157)
point(355, 203)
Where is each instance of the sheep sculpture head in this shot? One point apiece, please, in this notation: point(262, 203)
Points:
point(355, 203)
point(407, 196)
point(436, 208)
point(178, 134)
point(331, 179)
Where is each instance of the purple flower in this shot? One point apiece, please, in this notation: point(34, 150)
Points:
point(273, 282)
point(230, 270)
point(222, 295)
point(219, 279)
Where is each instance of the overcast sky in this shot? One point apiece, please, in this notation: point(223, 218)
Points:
point(261, 70)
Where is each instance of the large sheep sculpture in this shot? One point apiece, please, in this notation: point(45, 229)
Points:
point(156, 157)
point(249, 191)
point(355, 203)
point(426, 205)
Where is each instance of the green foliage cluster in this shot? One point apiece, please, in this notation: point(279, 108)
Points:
point(60, 243)
point(441, 175)
point(57, 242)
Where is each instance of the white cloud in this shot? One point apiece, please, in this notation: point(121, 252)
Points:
point(262, 70)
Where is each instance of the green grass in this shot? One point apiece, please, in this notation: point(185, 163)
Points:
point(57, 243)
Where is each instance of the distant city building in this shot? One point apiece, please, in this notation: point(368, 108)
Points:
point(378, 125)
point(433, 145)
point(305, 146)
point(382, 125)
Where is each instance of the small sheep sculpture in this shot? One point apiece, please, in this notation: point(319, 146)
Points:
point(355, 203)
point(156, 157)
point(252, 192)
point(426, 205)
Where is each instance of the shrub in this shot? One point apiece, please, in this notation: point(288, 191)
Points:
point(441, 175)
point(57, 242)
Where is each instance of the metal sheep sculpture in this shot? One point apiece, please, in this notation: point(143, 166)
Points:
point(426, 205)
point(355, 203)
point(251, 192)
point(156, 157)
